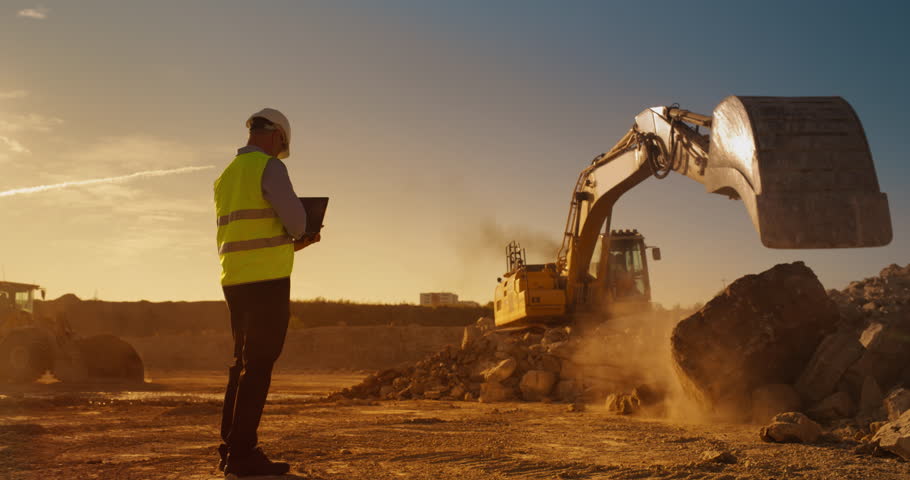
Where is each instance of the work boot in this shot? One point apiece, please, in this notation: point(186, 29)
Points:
point(223, 452)
point(254, 463)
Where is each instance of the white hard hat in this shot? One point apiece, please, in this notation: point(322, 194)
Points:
point(280, 121)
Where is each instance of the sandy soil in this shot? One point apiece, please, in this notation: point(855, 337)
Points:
point(167, 429)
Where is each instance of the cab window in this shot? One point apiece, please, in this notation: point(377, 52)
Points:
point(627, 276)
point(24, 301)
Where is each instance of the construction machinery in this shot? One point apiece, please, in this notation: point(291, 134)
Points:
point(31, 345)
point(801, 166)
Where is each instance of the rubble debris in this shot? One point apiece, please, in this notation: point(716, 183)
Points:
point(769, 400)
point(471, 333)
point(888, 292)
point(894, 436)
point(622, 403)
point(791, 427)
point(491, 366)
point(500, 371)
point(493, 391)
point(629, 403)
point(897, 402)
point(718, 456)
point(834, 355)
point(762, 329)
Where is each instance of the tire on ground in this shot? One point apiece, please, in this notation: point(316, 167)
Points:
point(25, 355)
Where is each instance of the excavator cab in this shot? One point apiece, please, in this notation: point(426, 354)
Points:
point(627, 265)
point(618, 280)
point(17, 303)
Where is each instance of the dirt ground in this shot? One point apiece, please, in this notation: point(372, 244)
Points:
point(167, 429)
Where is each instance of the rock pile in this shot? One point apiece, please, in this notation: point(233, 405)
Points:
point(488, 366)
point(550, 365)
point(877, 313)
point(864, 372)
point(875, 298)
point(770, 346)
point(858, 370)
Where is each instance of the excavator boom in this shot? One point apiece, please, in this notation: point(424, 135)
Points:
point(801, 166)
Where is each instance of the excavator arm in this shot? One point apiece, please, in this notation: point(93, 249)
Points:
point(801, 166)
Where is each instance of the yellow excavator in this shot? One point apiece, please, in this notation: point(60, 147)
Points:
point(801, 166)
point(31, 345)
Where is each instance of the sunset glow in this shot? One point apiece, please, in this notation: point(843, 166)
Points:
point(441, 131)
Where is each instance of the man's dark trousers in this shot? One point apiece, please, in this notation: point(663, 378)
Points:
point(259, 323)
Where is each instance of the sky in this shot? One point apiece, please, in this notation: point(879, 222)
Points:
point(440, 130)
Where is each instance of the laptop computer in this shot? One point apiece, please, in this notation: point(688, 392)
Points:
point(315, 213)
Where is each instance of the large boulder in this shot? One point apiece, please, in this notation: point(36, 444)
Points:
point(895, 436)
point(761, 330)
point(831, 359)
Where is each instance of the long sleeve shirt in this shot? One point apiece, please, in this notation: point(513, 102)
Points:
point(279, 192)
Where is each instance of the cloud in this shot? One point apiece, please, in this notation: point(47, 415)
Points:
point(13, 145)
point(11, 124)
point(28, 122)
point(11, 94)
point(37, 13)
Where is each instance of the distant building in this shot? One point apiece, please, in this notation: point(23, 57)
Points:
point(436, 299)
point(447, 299)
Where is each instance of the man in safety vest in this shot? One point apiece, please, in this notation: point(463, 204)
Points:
point(261, 223)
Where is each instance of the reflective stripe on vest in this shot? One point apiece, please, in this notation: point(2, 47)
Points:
point(242, 245)
point(249, 214)
point(252, 243)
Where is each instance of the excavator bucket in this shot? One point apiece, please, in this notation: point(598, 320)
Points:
point(803, 168)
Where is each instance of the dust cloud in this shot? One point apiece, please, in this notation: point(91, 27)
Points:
point(629, 352)
point(480, 249)
point(490, 239)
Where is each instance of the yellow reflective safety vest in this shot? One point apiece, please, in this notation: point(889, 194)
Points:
point(252, 243)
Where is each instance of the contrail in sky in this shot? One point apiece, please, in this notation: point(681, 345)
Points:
point(95, 181)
